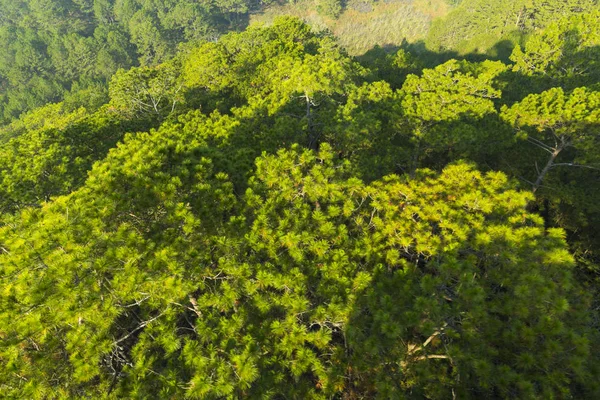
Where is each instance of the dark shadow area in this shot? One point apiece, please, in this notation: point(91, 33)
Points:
point(501, 51)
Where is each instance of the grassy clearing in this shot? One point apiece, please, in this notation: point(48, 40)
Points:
point(386, 24)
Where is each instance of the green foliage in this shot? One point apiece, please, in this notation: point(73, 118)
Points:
point(240, 62)
point(56, 49)
point(53, 48)
point(444, 108)
point(50, 155)
point(290, 283)
point(264, 217)
point(284, 70)
point(555, 122)
point(391, 67)
point(50, 116)
point(477, 25)
point(329, 8)
point(146, 91)
point(567, 49)
point(364, 130)
point(562, 130)
point(445, 310)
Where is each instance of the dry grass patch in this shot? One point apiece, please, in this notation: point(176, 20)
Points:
point(385, 24)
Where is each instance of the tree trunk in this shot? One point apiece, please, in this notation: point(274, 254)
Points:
point(312, 137)
point(549, 165)
point(415, 159)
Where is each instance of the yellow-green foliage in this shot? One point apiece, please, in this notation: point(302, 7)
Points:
point(299, 227)
point(307, 276)
point(567, 48)
point(477, 25)
point(50, 116)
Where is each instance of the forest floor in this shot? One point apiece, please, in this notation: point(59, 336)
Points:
point(363, 24)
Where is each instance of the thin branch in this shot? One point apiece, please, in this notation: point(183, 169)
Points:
point(140, 326)
point(541, 145)
point(435, 356)
point(137, 302)
point(430, 338)
point(575, 165)
point(195, 306)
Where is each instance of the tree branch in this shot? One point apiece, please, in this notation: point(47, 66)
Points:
point(541, 145)
point(575, 165)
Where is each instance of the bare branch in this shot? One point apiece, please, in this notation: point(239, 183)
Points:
point(140, 326)
point(435, 356)
point(136, 303)
point(575, 165)
point(541, 145)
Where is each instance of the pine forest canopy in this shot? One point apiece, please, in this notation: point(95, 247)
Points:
point(56, 50)
point(264, 216)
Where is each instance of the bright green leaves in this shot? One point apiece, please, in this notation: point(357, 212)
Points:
point(457, 257)
point(146, 91)
point(154, 268)
point(315, 78)
point(300, 233)
point(51, 154)
point(565, 49)
point(119, 255)
point(286, 81)
point(430, 255)
point(451, 91)
point(563, 127)
point(51, 116)
point(181, 265)
point(236, 60)
point(554, 112)
point(443, 107)
point(554, 121)
point(271, 66)
point(480, 26)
